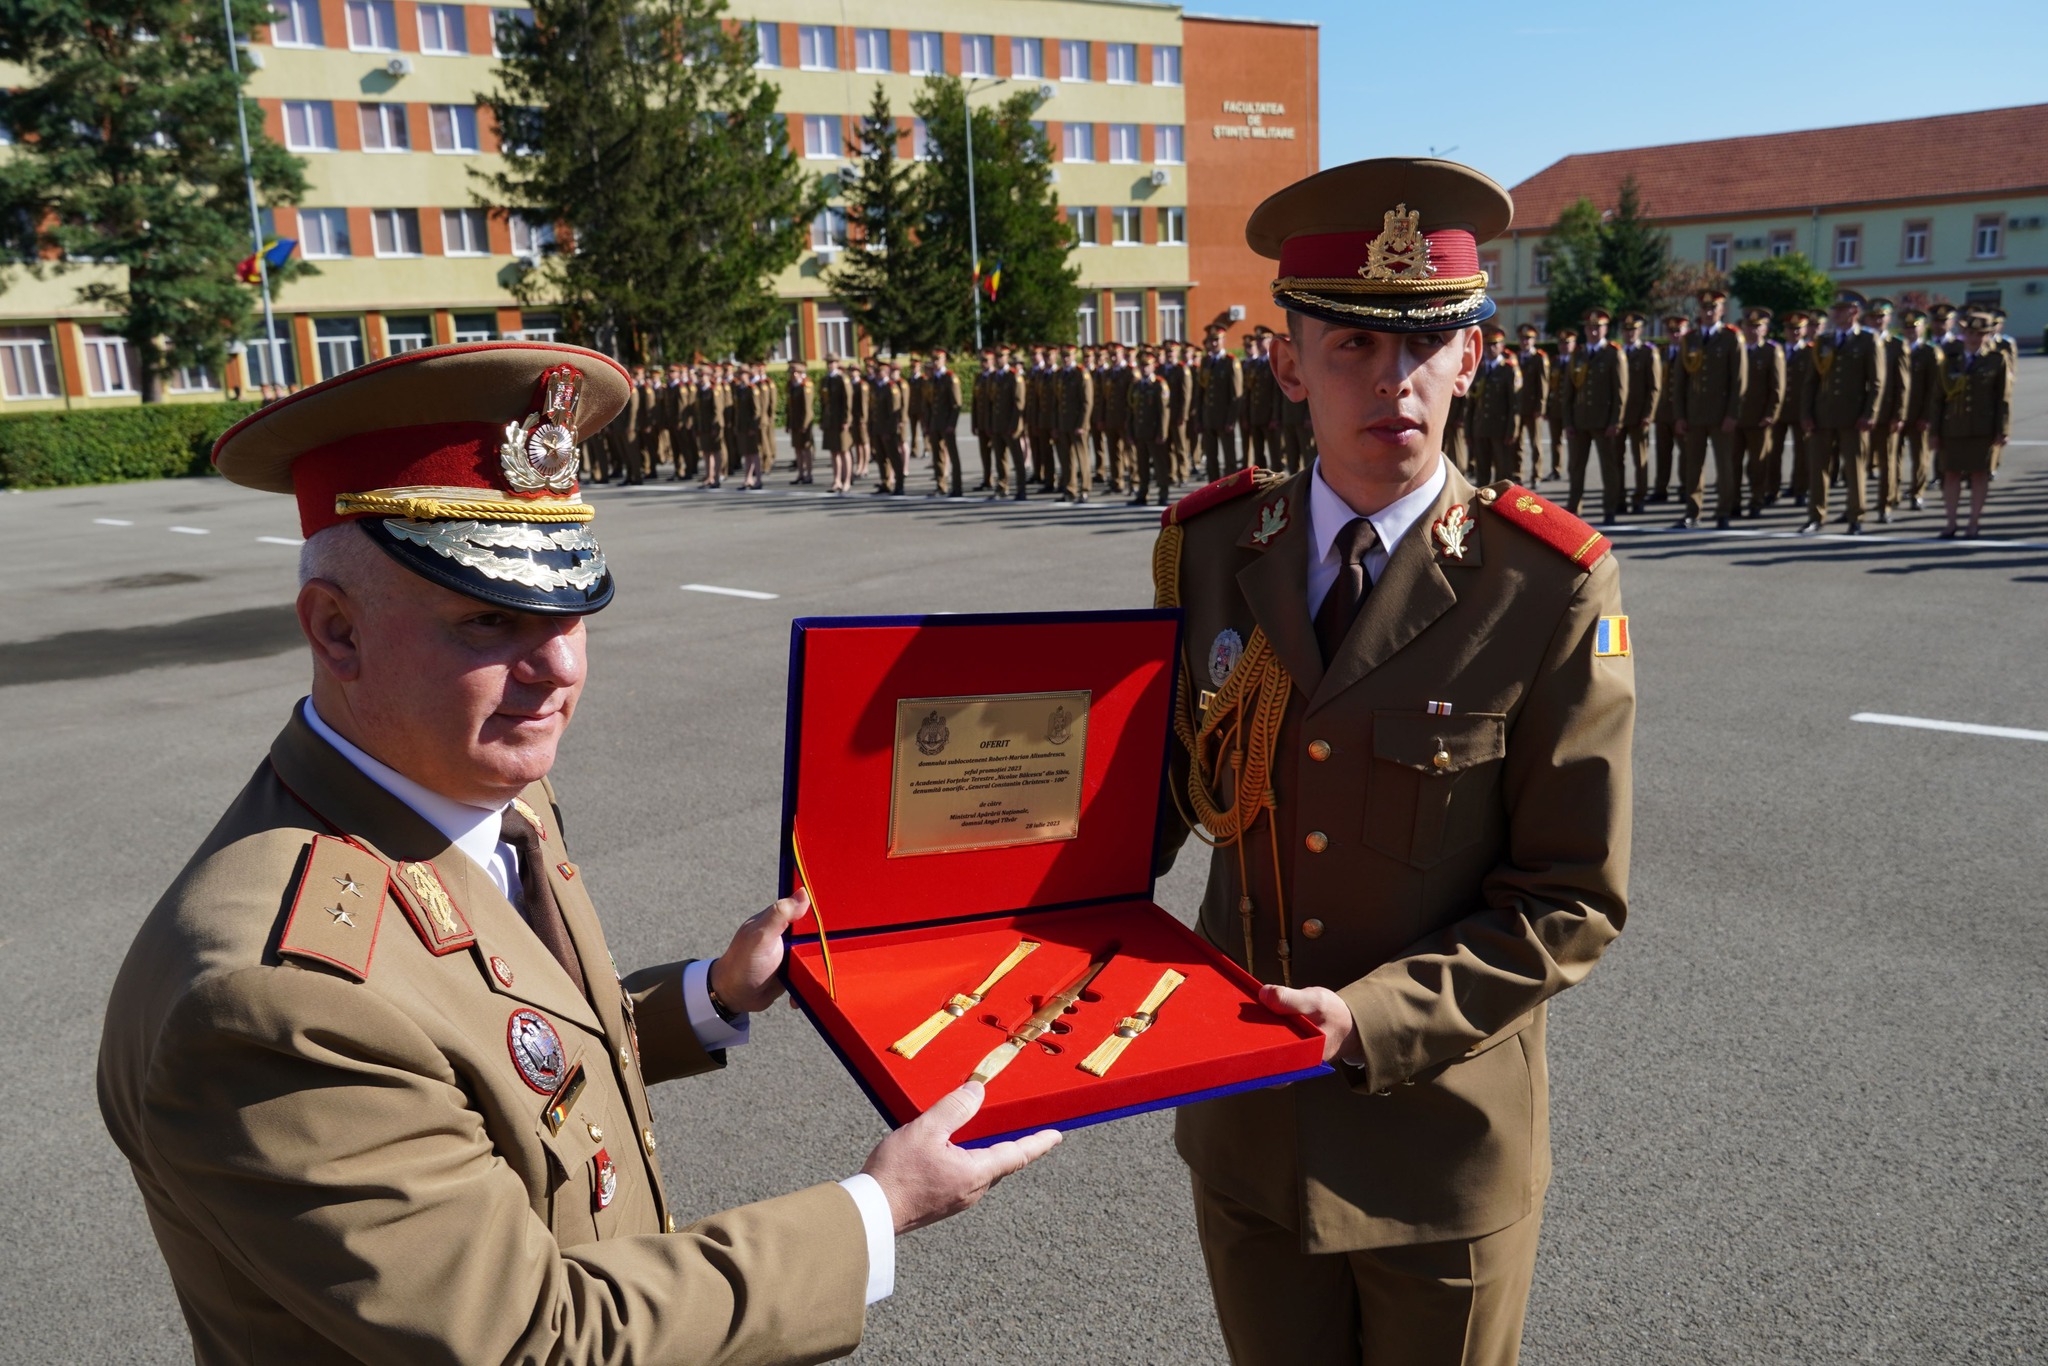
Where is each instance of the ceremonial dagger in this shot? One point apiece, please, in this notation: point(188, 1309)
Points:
point(958, 1005)
point(1042, 1020)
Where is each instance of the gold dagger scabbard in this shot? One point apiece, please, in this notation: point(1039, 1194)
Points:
point(1132, 1025)
point(959, 1005)
point(1024, 1035)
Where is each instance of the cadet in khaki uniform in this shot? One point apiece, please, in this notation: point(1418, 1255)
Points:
point(1598, 381)
point(835, 413)
point(1179, 381)
point(1665, 415)
point(1891, 410)
point(711, 426)
point(1261, 403)
point(1969, 415)
point(1645, 388)
point(888, 406)
point(1437, 840)
point(1537, 376)
point(1222, 400)
point(1712, 365)
point(1038, 406)
point(1763, 394)
point(798, 418)
point(1798, 366)
point(1075, 394)
point(383, 1094)
point(942, 423)
point(1844, 392)
point(766, 409)
point(1923, 367)
point(1006, 427)
point(1145, 423)
point(1495, 397)
point(1556, 406)
point(977, 417)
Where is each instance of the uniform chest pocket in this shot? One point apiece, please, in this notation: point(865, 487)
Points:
point(582, 1177)
point(1434, 787)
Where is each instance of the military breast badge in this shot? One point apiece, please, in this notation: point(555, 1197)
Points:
point(1450, 532)
point(539, 454)
point(1272, 521)
point(1400, 252)
point(536, 1050)
point(1224, 653)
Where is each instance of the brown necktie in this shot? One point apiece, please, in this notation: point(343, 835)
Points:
point(543, 912)
point(1341, 603)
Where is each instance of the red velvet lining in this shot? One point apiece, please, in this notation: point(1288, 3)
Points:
point(1453, 252)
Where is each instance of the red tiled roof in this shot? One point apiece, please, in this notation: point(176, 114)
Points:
point(1996, 151)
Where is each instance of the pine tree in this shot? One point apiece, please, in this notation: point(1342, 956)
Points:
point(881, 281)
point(1577, 282)
point(126, 161)
point(1633, 254)
point(641, 130)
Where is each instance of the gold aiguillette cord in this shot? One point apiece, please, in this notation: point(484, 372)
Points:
point(1132, 1025)
point(959, 1005)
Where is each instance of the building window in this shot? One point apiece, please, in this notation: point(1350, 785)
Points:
point(323, 234)
point(1848, 248)
point(308, 125)
point(1173, 227)
point(265, 362)
point(1126, 226)
point(1781, 243)
point(871, 49)
point(530, 239)
point(1489, 266)
point(192, 379)
point(538, 327)
point(454, 127)
point(1082, 221)
point(817, 47)
point(1077, 142)
point(835, 331)
point(27, 364)
point(476, 327)
point(790, 346)
point(977, 54)
point(1984, 297)
point(1129, 318)
point(1989, 239)
point(395, 232)
point(1913, 241)
point(1169, 144)
point(442, 31)
point(927, 55)
point(1027, 59)
point(1123, 143)
point(828, 230)
point(503, 24)
point(1088, 323)
point(413, 333)
point(821, 135)
point(767, 44)
point(920, 141)
point(1166, 66)
point(1120, 63)
point(1173, 316)
point(383, 128)
point(1717, 253)
point(465, 232)
point(372, 26)
point(1074, 59)
point(109, 363)
point(1540, 267)
point(297, 24)
point(338, 342)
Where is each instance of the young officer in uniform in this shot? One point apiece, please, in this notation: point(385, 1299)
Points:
point(1424, 834)
point(1537, 376)
point(1645, 384)
point(368, 1058)
point(1598, 376)
point(1844, 391)
point(1763, 393)
point(1713, 365)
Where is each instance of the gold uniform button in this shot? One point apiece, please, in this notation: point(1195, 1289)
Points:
point(625, 1057)
point(647, 1141)
point(1319, 750)
point(1485, 496)
point(596, 1134)
point(1312, 929)
point(1442, 757)
point(669, 1223)
point(1317, 841)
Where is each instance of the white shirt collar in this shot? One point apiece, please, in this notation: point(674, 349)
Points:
point(472, 829)
point(1328, 513)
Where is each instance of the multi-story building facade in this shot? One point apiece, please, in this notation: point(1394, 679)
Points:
point(1950, 208)
point(1165, 129)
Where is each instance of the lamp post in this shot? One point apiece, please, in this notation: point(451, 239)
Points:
point(270, 367)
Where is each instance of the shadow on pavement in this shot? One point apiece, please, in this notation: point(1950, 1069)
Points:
point(251, 633)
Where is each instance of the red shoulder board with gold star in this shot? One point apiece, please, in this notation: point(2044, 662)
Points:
point(337, 907)
point(1577, 541)
point(1248, 480)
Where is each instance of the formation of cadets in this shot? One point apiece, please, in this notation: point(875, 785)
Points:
point(1852, 400)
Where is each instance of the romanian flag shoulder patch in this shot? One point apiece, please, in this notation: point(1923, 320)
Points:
point(1610, 638)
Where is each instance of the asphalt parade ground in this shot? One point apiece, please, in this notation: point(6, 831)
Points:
point(1801, 1108)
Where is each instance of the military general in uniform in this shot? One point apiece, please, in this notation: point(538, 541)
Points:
point(383, 1092)
point(1405, 718)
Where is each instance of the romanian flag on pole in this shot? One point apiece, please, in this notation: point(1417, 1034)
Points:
point(275, 253)
point(994, 281)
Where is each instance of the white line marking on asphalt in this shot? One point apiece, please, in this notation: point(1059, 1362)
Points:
point(1960, 727)
point(280, 540)
point(191, 530)
point(1868, 538)
point(111, 521)
point(730, 592)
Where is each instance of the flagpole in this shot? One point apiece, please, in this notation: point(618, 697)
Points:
point(973, 222)
point(270, 366)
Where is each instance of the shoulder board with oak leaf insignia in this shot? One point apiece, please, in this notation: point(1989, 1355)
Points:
point(1250, 479)
point(431, 910)
point(337, 907)
point(1570, 537)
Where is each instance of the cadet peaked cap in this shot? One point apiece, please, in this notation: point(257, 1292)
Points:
point(1756, 313)
point(1711, 294)
point(1848, 298)
point(459, 462)
point(1913, 315)
point(1597, 313)
point(1633, 319)
point(1979, 319)
point(1389, 245)
point(1878, 306)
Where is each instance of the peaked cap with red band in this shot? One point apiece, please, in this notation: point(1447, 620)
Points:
point(458, 461)
point(1389, 245)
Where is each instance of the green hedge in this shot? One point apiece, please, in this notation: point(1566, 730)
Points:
point(102, 445)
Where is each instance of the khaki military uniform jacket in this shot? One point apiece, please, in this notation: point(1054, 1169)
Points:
point(1006, 404)
point(1598, 376)
point(1146, 410)
point(942, 402)
point(1534, 364)
point(1798, 367)
point(1645, 384)
point(1846, 383)
point(1453, 896)
point(1496, 390)
point(1972, 399)
point(1763, 391)
point(1667, 409)
point(339, 1154)
point(797, 405)
point(1923, 369)
point(1076, 393)
point(1898, 380)
point(1557, 404)
point(1261, 394)
point(1222, 391)
point(1179, 388)
point(1711, 373)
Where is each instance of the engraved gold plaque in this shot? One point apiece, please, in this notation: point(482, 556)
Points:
point(987, 772)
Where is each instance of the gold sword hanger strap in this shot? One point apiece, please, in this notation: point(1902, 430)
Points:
point(1045, 1018)
point(1132, 1025)
point(959, 1004)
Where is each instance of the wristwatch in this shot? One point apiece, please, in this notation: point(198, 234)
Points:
point(725, 1012)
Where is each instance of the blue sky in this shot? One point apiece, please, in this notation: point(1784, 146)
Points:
point(1532, 82)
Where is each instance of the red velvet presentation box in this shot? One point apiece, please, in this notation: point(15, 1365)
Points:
point(905, 933)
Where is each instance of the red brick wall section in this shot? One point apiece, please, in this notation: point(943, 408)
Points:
point(348, 126)
point(361, 241)
point(334, 23)
point(1225, 60)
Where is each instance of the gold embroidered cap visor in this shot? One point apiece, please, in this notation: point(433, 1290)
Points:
point(1388, 245)
point(460, 462)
